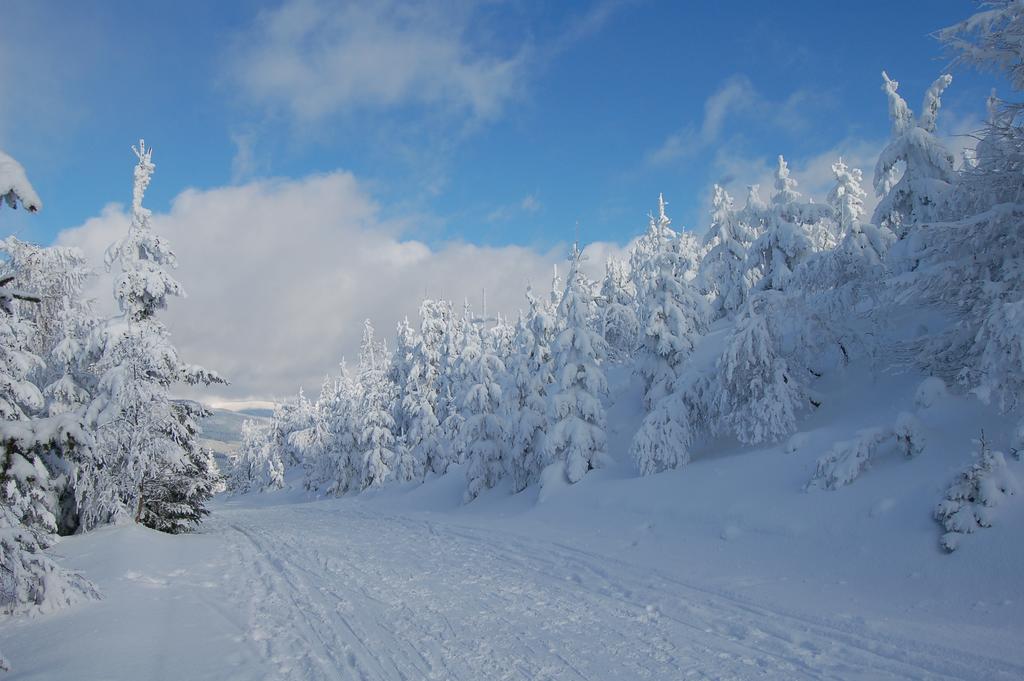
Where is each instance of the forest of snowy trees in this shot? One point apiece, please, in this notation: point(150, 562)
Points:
point(729, 333)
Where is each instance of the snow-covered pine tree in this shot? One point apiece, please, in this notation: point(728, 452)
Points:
point(971, 500)
point(673, 315)
point(918, 194)
point(758, 396)
point(174, 500)
point(664, 437)
point(398, 373)
point(973, 265)
point(863, 247)
point(485, 428)
point(142, 438)
point(375, 426)
point(620, 325)
point(578, 432)
point(659, 235)
point(258, 466)
point(531, 386)
point(29, 579)
point(336, 469)
point(721, 270)
point(60, 320)
point(785, 241)
point(421, 399)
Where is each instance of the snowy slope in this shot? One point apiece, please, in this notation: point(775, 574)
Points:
point(724, 569)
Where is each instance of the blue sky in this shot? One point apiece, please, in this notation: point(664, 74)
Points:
point(572, 133)
point(322, 162)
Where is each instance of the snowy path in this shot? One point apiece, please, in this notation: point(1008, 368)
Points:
point(329, 592)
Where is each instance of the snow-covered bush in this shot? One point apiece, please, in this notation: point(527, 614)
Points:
point(973, 497)
point(929, 392)
point(847, 460)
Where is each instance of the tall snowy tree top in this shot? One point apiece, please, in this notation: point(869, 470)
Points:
point(144, 284)
point(992, 38)
point(847, 196)
point(143, 174)
point(15, 187)
point(785, 186)
point(915, 195)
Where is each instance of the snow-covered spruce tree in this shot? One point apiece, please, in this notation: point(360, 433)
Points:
point(174, 499)
point(721, 270)
point(29, 579)
point(973, 264)
point(421, 398)
point(258, 466)
point(620, 324)
point(531, 386)
point(60, 320)
point(785, 241)
point(863, 247)
point(398, 373)
point(673, 314)
point(485, 427)
point(374, 424)
point(657, 238)
point(917, 194)
point(971, 500)
point(330, 467)
point(142, 437)
point(578, 431)
point(664, 437)
point(757, 396)
point(454, 382)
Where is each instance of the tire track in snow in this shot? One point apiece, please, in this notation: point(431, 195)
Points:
point(343, 593)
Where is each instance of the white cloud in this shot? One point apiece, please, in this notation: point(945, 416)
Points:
point(736, 97)
point(315, 58)
point(281, 274)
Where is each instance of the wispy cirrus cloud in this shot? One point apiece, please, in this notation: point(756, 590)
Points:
point(314, 59)
point(735, 99)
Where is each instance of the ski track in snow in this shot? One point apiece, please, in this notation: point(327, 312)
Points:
point(332, 594)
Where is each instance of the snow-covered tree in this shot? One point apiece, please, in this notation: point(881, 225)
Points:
point(659, 235)
point(531, 386)
point(375, 426)
point(620, 325)
point(664, 437)
point(758, 396)
point(918, 193)
point(398, 372)
point(258, 466)
point(673, 315)
point(721, 271)
point(971, 500)
point(61, 320)
point(29, 578)
point(142, 438)
point(578, 433)
point(332, 466)
point(15, 187)
point(785, 241)
point(485, 427)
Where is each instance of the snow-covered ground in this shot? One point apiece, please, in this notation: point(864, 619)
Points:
point(725, 569)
